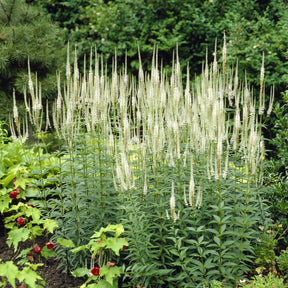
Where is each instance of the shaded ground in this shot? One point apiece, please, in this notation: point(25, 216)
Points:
point(50, 272)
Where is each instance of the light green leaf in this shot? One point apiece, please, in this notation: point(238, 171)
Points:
point(4, 191)
point(110, 273)
point(34, 213)
point(66, 243)
point(117, 229)
point(17, 235)
point(79, 272)
point(9, 270)
point(102, 284)
point(116, 244)
point(4, 204)
point(50, 225)
point(29, 276)
point(46, 253)
point(77, 249)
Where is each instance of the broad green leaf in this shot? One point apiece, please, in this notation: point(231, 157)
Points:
point(4, 191)
point(13, 172)
point(79, 272)
point(4, 204)
point(110, 273)
point(117, 229)
point(34, 213)
point(29, 276)
point(102, 284)
point(32, 192)
point(9, 270)
point(18, 235)
point(36, 230)
point(22, 182)
point(66, 242)
point(46, 253)
point(50, 225)
point(116, 244)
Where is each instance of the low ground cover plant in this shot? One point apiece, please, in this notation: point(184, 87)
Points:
point(102, 247)
point(179, 166)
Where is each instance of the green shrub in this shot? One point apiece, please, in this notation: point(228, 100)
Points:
point(276, 167)
point(264, 282)
point(282, 261)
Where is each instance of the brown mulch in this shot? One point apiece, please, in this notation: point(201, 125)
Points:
point(50, 272)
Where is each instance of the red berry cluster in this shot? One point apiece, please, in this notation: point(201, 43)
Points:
point(15, 192)
point(50, 245)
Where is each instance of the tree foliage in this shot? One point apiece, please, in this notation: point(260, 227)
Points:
point(252, 28)
point(26, 33)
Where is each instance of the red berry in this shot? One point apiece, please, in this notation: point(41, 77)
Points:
point(50, 245)
point(37, 248)
point(95, 271)
point(20, 221)
point(110, 264)
point(13, 195)
point(124, 246)
point(30, 205)
point(31, 259)
point(99, 241)
point(17, 190)
point(14, 182)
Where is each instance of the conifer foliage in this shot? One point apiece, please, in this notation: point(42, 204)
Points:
point(26, 33)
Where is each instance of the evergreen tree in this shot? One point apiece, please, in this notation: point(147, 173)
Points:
point(26, 33)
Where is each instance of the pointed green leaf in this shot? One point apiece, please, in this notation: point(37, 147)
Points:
point(217, 240)
point(77, 249)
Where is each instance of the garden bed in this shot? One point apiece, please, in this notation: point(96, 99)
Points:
point(50, 272)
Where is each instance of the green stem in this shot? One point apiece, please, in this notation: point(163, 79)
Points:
point(101, 177)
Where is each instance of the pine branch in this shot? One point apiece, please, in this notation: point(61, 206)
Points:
point(11, 11)
point(4, 10)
